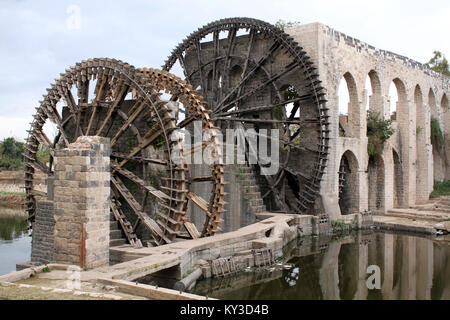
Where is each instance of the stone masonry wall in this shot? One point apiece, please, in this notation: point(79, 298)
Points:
point(43, 229)
point(421, 93)
point(81, 200)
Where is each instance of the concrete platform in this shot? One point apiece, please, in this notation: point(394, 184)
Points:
point(119, 281)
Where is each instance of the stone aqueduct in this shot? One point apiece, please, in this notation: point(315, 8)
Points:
point(329, 147)
point(404, 174)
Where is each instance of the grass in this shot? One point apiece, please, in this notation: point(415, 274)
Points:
point(16, 194)
point(440, 189)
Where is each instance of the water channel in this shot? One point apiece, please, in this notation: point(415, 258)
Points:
point(410, 267)
point(15, 242)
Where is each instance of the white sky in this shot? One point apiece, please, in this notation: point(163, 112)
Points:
point(37, 42)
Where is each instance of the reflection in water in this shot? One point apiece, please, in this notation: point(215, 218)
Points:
point(411, 267)
point(15, 244)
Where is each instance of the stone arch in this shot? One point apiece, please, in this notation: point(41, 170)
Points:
point(209, 81)
point(421, 143)
point(376, 179)
point(375, 102)
point(348, 183)
point(444, 103)
point(446, 120)
point(432, 103)
point(398, 186)
point(235, 75)
point(400, 106)
point(349, 115)
point(438, 159)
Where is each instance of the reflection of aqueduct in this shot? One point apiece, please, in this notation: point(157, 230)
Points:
point(403, 175)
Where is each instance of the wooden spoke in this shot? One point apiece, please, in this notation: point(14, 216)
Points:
point(131, 176)
point(74, 109)
point(91, 119)
point(57, 118)
point(275, 46)
point(266, 108)
point(231, 38)
point(202, 179)
point(264, 84)
point(139, 159)
point(117, 101)
point(38, 165)
point(296, 173)
point(150, 137)
point(126, 225)
point(199, 202)
point(192, 230)
point(253, 120)
point(38, 193)
point(200, 65)
point(149, 223)
point(134, 113)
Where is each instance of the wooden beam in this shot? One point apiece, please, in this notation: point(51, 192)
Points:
point(149, 223)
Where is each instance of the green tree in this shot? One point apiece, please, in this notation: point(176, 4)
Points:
point(439, 63)
point(11, 152)
point(286, 24)
point(43, 154)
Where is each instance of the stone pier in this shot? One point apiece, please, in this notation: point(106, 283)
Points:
point(81, 203)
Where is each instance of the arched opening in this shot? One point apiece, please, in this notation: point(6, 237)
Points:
point(421, 142)
point(235, 76)
point(446, 120)
point(349, 113)
point(348, 184)
point(393, 101)
point(444, 103)
point(398, 180)
point(436, 131)
point(397, 99)
point(432, 104)
point(209, 84)
point(372, 87)
point(375, 172)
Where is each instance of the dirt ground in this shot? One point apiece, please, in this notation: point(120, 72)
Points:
point(15, 293)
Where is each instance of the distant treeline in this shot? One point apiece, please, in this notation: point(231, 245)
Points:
point(11, 154)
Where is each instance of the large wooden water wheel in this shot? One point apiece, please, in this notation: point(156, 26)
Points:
point(150, 189)
point(253, 75)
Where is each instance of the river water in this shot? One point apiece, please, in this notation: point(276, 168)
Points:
point(15, 243)
point(409, 267)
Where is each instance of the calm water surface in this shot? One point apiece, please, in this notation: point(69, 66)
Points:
point(15, 244)
point(411, 267)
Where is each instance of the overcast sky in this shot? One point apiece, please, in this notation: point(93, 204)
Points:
point(40, 39)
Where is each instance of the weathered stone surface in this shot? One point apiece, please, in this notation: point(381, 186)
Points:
point(82, 202)
point(404, 173)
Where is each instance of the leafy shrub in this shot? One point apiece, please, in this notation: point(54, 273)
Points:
point(441, 189)
point(437, 137)
point(378, 132)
